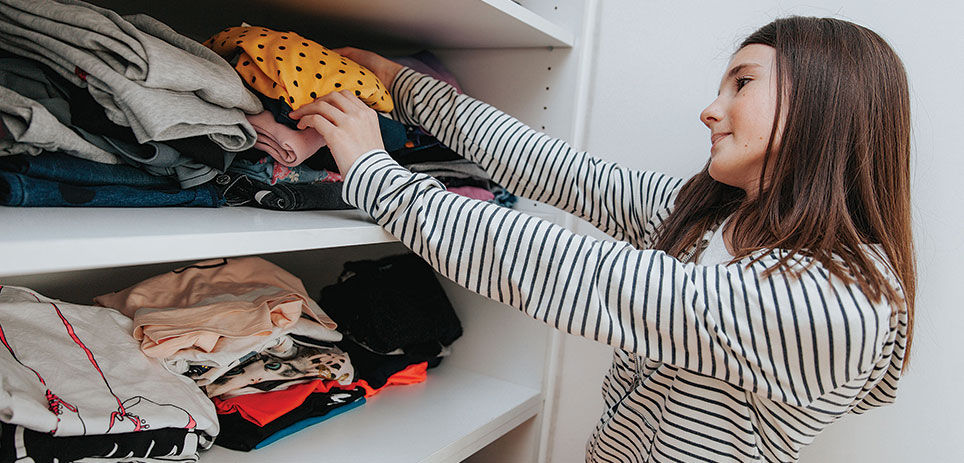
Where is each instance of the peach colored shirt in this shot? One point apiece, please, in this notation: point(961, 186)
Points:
point(204, 306)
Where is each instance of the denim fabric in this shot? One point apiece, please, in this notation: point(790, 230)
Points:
point(241, 190)
point(59, 167)
point(264, 171)
point(21, 190)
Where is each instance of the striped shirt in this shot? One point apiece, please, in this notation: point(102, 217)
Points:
point(711, 363)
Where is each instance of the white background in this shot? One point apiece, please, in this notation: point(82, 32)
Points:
point(658, 64)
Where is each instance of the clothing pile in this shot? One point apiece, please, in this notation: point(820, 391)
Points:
point(75, 385)
point(287, 71)
point(230, 352)
point(103, 110)
point(153, 113)
point(248, 335)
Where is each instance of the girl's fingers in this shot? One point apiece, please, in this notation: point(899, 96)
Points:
point(324, 108)
point(319, 123)
point(340, 100)
point(356, 102)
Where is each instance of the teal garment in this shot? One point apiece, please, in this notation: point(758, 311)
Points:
point(308, 422)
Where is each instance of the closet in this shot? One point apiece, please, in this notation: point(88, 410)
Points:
point(489, 399)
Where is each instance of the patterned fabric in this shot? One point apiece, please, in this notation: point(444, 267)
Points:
point(72, 370)
point(283, 366)
point(285, 65)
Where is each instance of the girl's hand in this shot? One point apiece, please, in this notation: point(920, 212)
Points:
point(349, 126)
point(384, 69)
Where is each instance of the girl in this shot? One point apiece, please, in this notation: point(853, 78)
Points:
point(749, 307)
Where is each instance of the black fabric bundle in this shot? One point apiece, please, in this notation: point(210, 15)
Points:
point(392, 303)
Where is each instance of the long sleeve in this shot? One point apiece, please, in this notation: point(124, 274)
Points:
point(619, 201)
point(785, 339)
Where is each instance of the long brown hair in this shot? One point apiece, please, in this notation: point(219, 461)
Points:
point(840, 177)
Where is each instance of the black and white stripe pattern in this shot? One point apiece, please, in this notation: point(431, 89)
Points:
point(711, 363)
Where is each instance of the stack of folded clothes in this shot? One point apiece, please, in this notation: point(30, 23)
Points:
point(132, 114)
point(82, 81)
point(273, 362)
point(75, 386)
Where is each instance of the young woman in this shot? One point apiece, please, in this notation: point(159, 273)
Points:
point(749, 307)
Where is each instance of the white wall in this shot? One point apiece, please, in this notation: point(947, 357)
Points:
point(658, 64)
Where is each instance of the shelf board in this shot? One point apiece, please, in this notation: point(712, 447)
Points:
point(370, 23)
point(447, 418)
point(41, 240)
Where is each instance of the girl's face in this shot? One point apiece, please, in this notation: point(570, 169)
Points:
point(741, 117)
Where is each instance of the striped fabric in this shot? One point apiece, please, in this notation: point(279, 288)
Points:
point(711, 362)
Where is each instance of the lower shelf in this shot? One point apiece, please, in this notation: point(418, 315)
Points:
point(447, 418)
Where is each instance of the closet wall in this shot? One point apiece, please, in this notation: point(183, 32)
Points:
point(658, 64)
point(494, 391)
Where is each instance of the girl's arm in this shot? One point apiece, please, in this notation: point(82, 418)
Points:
point(791, 340)
point(618, 201)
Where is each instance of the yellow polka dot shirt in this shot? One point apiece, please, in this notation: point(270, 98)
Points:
point(289, 66)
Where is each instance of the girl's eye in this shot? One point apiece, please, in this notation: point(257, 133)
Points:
point(741, 81)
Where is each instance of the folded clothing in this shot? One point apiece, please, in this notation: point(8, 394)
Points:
point(136, 67)
point(266, 170)
point(289, 66)
point(289, 147)
point(240, 434)
point(391, 303)
point(25, 191)
point(240, 189)
point(34, 104)
point(90, 121)
point(148, 446)
point(281, 367)
point(262, 408)
point(30, 129)
point(59, 167)
point(310, 421)
point(197, 311)
point(78, 114)
point(377, 369)
point(71, 370)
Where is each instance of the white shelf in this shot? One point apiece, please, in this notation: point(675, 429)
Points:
point(40, 240)
point(420, 23)
point(447, 418)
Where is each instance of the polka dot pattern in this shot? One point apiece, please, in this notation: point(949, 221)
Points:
point(302, 68)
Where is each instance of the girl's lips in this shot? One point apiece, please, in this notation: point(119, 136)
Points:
point(716, 137)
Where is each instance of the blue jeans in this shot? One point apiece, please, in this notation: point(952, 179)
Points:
point(21, 190)
point(63, 168)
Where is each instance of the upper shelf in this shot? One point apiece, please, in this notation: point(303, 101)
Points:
point(41, 240)
point(377, 24)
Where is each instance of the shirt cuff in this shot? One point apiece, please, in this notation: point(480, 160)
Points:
point(375, 181)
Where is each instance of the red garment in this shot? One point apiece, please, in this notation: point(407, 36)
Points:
point(264, 407)
point(412, 374)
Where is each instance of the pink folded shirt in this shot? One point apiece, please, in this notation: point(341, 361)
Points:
point(201, 307)
point(288, 147)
